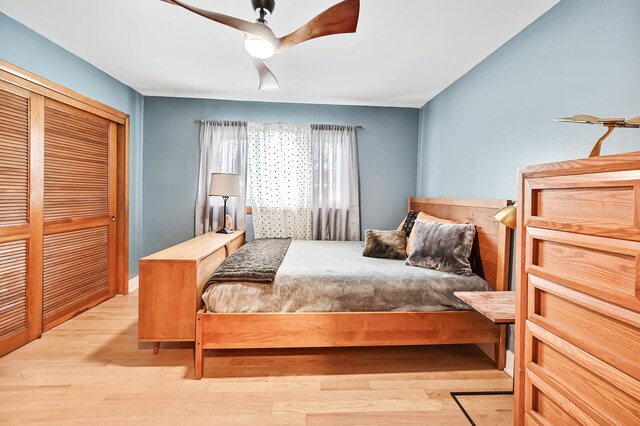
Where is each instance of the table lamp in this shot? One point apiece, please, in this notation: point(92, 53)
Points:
point(225, 185)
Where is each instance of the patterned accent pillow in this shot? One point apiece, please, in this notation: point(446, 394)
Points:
point(442, 246)
point(407, 223)
point(385, 244)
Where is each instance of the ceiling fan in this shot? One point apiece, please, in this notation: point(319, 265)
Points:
point(261, 43)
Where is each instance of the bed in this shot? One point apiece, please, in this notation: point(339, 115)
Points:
point(334, 276)
point(387, 306)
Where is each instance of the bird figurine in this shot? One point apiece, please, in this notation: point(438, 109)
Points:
point(609, 123)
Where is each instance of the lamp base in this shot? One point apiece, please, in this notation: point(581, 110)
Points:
point(224, 231)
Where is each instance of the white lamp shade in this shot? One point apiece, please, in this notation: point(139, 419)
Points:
point(225, 184)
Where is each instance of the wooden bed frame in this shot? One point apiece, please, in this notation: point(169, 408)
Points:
point(333, 329)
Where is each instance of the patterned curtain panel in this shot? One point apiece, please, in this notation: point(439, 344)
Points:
point(280, 169)
point(223, 149)
point(336, 201)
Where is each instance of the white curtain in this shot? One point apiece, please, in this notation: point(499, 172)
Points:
point(336, 203)
point(223, 149)
point(280, 170)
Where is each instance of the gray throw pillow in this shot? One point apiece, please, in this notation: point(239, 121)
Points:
point(442, 246)
point(385, 244)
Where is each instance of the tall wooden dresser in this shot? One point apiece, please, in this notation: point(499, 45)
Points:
point(578, 292)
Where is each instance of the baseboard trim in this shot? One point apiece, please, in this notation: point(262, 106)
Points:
point(510, 363)
point(133, 284)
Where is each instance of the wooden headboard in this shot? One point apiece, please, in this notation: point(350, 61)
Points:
point(493, 239)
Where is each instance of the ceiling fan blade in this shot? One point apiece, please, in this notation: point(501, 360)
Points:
point(268, 81)
point(338, 19)
point(239, 24)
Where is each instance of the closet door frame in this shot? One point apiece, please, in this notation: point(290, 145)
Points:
point(39, 89)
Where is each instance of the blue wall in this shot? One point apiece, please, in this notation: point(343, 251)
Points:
point(580, 57)
point(24, 48)
point(386, 146)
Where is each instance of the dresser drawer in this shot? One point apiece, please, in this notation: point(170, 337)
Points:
point(596, 204)
point(545, 406)
point(602, 267)
point(602, 392)
point(598, 327)
point(235, 244)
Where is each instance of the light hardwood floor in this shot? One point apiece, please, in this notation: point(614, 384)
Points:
point(91, 370)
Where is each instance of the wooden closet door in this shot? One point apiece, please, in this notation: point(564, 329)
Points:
point(20, 217)
point(79, 211)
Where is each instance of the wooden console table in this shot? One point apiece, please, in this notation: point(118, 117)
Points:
point(171, 283)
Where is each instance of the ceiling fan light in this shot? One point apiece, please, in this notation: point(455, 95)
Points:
point(258, 47)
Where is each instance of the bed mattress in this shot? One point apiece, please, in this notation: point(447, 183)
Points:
point(333, 276)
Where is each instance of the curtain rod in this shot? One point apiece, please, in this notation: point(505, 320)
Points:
point(219, 121)
point(357, 126)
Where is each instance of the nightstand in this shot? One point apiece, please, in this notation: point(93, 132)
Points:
point(499, 307)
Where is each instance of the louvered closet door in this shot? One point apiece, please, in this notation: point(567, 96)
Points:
point(79, 211)
point(20, 273)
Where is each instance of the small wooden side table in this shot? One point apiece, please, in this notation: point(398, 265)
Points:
point(499, 307)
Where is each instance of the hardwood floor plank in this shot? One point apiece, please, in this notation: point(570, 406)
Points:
point(408, 418)
point(360, 406)
point(264, 386)
point(466, 384)
point(329, 385)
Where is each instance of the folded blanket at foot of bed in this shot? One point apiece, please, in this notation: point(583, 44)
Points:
point(257, 262)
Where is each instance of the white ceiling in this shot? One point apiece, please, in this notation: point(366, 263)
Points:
point(404, 53)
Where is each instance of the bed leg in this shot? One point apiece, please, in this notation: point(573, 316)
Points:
point(501, 349)
point(199, 351)
point(199, 363)
point(156, 348)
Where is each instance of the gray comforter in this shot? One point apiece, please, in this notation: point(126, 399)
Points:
point(333, 276)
